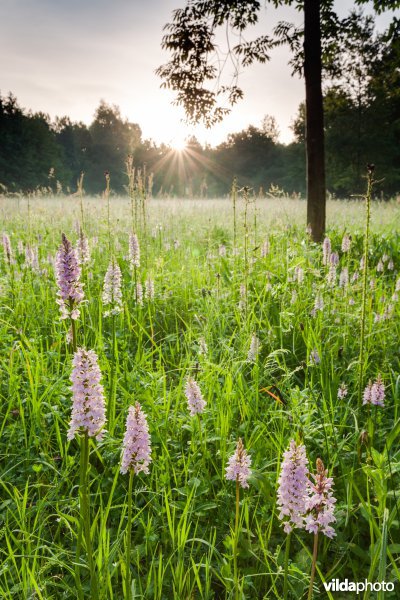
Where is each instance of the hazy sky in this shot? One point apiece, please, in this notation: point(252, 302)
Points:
point(63, 56)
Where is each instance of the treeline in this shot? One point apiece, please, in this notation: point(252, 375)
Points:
point(362, 124)
point(36, 153)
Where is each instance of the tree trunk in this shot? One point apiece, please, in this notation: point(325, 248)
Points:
point(316, 198)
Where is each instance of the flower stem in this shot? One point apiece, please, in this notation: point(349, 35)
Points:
point(112, 376)
point(135, 282)
point(235, 543)
point(285, 580)
point(314, 564)
point(144, 216)
point(107, 195)
point(246, 244)
point(74, 340)
point(234, 189)
point(202, 445)
point(364, 286)
point(128, 538)
point(79, 541)
point(85, 514)
point(80, 191)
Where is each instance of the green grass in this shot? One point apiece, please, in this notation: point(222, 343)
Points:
point(184, 509)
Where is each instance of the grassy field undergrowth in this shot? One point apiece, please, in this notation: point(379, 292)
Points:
point(282, 337)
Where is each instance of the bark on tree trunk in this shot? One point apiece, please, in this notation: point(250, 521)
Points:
point(316, 195)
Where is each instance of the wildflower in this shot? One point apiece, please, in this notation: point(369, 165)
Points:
point(112, 295)
point(314, 357)
point(344, 277)
point(82, 248)
point(342, 391)
point(367, 393)
point(32, 257)
point(292, 487)
point(290, 278)
point(397, 289)
point(136, 450)
point(352, 301)
point(134, 250)
point(299, 274)
point(265, 248)
point(354, 277)
point(254, 349)
point(238, 468)
point(29, 256)
point(176, 244)
point(195, 400)
point(203, 349)
point(222, 250)
point(69, 336)
point(318, 303)
point(149, 289)
point(374, 393)
point(20, 247)
point(379, 267)
point(390, 265)
point(243, 298)
point(334, 258)
point(326, 250)
point(35, 259)
point(372, 283)
point(7, 249)
point(331, 276)
point(388, 312)
point(139, 293)
point(68, 272)
point(320, 504)
point(346, 243)
point(88, 406)
point(293, 299)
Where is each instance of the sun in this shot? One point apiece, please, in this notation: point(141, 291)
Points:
point(178, 144)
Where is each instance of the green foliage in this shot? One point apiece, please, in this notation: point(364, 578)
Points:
point(183, 511)
point(362, 110)
point(112, 140)
point(29, 149)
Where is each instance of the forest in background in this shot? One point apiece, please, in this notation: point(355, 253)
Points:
point(362, 125)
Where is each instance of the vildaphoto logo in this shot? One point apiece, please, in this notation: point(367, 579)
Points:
point(335, 585)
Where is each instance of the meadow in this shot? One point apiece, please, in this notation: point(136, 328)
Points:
point(281, 336)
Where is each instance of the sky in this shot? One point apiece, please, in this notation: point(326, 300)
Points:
point(63, 56)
